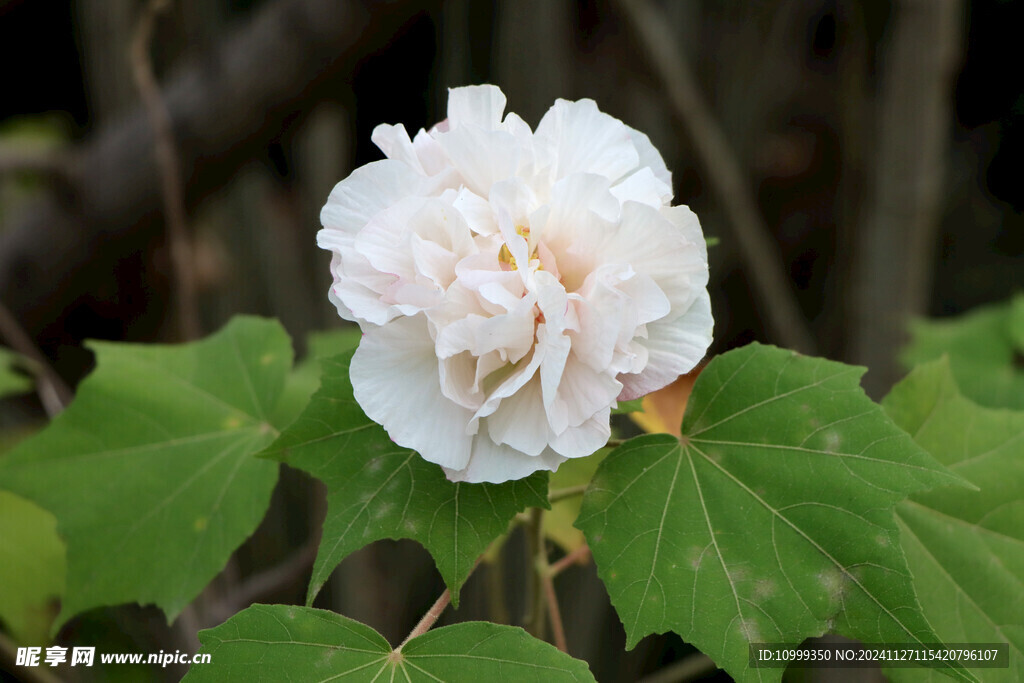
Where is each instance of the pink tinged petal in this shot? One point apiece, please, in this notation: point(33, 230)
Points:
point(587, 140)
point(476, 105)
point(548, 261)
point(521, 421)
point(579, 442)
point(674, 348)
point(394, 141)
point(368, 191)
point(496, 464)
point(395, 379)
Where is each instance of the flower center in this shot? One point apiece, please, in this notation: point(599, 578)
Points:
point(505, 256)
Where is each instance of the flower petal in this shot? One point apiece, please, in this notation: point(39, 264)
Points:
point(674, 349)
point(587, 141)
point(369, 190)
point(496, 463)
point(476, 105)
point(395, 378)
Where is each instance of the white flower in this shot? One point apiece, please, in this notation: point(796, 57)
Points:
point(513, 285)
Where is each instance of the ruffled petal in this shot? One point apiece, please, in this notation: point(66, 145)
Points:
point(395, 143)
point(395, 378)
point(368, 191)
point(476, 105)
point(496, 463)
point(586, 439)
point(651, 158)
point(674, 348)
point(587, 140)
point(482, 157)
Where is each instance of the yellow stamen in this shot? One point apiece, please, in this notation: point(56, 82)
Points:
point(505, 254)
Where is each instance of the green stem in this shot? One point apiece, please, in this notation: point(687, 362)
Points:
point(568, 492)
point(534, 620)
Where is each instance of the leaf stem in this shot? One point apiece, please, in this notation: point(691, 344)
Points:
point(567, 492)
point(54, 394)
point(534, 620)
point(554, 614)
point(578, 556)
point(429, 619)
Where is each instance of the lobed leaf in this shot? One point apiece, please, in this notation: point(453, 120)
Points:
point(32, 568)
point(150, 471)
point(965, 548)
point(769, 520)
point(275, 643)
point(985, 348)
point(377, 489)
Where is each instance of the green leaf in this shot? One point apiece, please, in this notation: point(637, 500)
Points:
point(771, 520)
point(11, 381)
point(965, 548)
point(627, 407)
point(305, 378)
point(376, 489)
point(558, 523)
point(32, 569)
point(275, 643)
point(985, 348)
point(150, 470)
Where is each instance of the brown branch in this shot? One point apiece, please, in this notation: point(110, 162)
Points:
point(554, 613)
point(54, 394)
point(578, 556)
point(170, 170)
point(892, 271)
point(28, 674)
point(779, 306)
point(225, 107)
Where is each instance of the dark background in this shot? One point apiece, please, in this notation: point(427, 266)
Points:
point(880, 145)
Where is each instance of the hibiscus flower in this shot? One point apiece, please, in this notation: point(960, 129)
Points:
point(513, 285)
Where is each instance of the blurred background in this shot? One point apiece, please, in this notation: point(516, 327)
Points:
point(859, 162)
